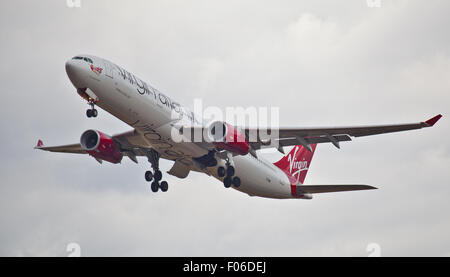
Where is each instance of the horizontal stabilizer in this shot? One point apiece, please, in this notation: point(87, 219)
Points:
point(331, 188)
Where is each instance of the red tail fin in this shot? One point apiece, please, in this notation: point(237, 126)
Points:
point(297, 162)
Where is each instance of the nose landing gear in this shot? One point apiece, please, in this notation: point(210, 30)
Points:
point(92, 112)
point(91, 98)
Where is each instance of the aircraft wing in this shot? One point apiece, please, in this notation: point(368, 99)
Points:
point(331, 188)
point(131, 144)
point(306, 136)
point(69, 148)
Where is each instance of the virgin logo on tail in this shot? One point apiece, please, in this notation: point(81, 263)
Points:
point(297, 163)
point(297, 166)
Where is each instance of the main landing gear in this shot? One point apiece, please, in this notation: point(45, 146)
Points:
point(228, 173)
point(92, 112)
point(155, 176)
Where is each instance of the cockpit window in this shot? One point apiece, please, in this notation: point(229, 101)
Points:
point(83, 58)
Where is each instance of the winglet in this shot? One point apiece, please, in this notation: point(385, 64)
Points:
point(39, 144)
point(433, 120)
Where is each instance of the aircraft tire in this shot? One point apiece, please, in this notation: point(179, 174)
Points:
point(154, 186)
point(236, 182)
point(230, 171)
point(157, 175)
point(164, 186)
point(221, 171)
point(227, 182)
point(148, 176)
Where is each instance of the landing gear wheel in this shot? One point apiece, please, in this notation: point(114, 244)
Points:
point(158, 175)
point(227, 182)
point(164, 186)
point(91, 113)
point(155, 186)
point(148, 176)
point(230, 170)
point(221, 171)
point(236, 181)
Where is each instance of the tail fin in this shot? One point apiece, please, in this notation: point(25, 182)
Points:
point(297, 162)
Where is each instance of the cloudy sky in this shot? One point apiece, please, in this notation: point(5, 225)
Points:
point(323, 63)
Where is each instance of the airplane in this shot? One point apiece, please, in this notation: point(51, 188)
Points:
point(225, 152)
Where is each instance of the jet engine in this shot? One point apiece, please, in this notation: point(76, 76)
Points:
point(100, 146)
point(226, 137)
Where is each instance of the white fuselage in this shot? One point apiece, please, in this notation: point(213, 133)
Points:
point(152, 114)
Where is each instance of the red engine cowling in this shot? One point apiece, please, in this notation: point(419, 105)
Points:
point(226, 137)
point(100, 146)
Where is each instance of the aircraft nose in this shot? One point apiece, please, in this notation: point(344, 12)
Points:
point(75, 73)
point(69, 66)
point(72, 68)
